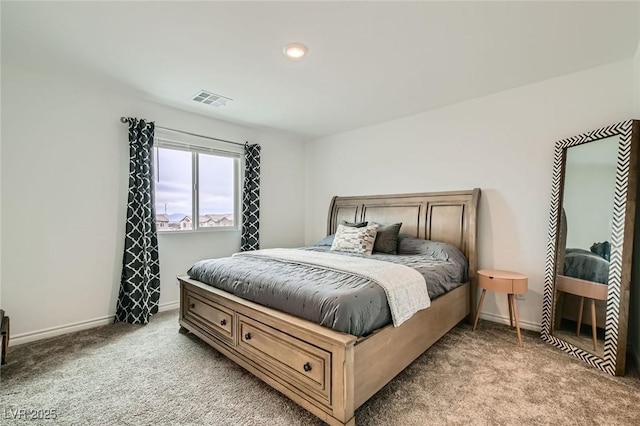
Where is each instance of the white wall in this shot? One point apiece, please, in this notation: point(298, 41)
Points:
point(64, 192)
point(501, 143)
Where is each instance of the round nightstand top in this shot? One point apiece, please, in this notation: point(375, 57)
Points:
point(506, 275)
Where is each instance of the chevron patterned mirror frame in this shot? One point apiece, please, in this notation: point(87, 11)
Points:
point(622, 241)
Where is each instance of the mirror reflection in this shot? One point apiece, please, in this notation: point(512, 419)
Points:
point(584, 246)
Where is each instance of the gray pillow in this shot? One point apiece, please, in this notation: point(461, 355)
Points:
point(602, 249)
point(354, 224)
point(435, 249)
point(387, 238)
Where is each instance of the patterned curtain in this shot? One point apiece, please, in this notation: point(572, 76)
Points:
point(251, 199)
point(140, 281)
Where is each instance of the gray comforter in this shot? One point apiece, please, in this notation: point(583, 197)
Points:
point(583, 264)
point(341, 301)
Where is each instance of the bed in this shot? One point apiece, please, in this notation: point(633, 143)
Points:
point(331, 373)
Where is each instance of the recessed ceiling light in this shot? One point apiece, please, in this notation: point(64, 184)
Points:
point(295, 50)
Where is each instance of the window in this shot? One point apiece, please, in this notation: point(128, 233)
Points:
point(196, 187)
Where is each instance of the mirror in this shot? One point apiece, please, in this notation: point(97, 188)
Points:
point(587, 277)
point(584, 250)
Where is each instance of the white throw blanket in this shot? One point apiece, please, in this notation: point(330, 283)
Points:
point(405, 288)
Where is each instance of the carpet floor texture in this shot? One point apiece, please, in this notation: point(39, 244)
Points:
point(152, 375)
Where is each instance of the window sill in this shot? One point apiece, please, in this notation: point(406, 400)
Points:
point(199, 231)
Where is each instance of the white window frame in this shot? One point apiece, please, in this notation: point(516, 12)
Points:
point(169, 139)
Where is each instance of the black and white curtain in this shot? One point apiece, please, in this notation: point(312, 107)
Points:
point(140, 280)
point(251, 199)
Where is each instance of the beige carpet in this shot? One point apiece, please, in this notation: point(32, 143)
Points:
point(144, 375)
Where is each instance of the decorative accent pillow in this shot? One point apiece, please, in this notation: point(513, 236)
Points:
point(387, 238)
point(355, 240)
point(328, 240)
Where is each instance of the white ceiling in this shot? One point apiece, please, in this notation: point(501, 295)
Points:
point(368, 62)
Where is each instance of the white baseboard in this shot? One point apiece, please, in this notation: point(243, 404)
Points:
point(45, 333)
point(505, 320)
point(169, 306)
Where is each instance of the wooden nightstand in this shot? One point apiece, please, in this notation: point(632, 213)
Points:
point(507, 282)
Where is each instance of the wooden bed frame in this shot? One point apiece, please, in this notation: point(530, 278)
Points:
point(331, 373)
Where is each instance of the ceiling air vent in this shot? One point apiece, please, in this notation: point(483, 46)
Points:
point(212, 99)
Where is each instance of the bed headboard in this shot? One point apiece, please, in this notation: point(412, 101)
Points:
point(440, 216)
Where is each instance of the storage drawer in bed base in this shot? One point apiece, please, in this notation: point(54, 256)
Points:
point(211, 316)
point(303, 366)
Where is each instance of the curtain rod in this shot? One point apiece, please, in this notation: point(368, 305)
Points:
point(125, 120)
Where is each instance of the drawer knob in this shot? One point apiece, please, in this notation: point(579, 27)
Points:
point(307, 366)
point(192, 306)
point(223, 322)
point(247, 336)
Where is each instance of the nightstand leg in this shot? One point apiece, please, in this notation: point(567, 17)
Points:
point(475, 323)
point(594, 331)
point(509, 296)
point(580, 310)
point(515, 314)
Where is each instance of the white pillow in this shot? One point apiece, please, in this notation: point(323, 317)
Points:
point(355, 240)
